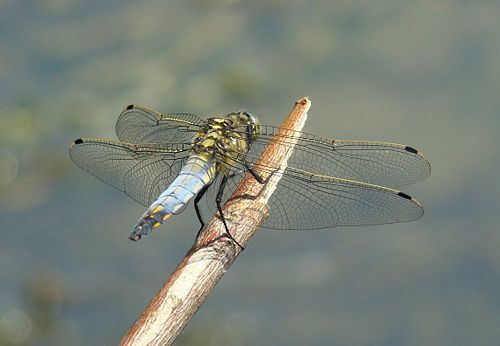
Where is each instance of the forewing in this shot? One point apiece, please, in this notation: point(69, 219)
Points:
point(143, 172)
point(137, 124)
point(380, 163)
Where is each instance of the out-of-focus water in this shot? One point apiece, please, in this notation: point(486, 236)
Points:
point(426, 74)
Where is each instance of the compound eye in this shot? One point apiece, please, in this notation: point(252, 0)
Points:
point(250, 117)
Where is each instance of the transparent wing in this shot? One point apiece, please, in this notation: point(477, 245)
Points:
point(137, 124)
point(303, 201)
point(141, 171)
point(380, 163)
point(313, 202)
point(307, 198)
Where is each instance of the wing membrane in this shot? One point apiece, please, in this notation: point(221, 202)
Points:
point(303, 201)
point(137, 124)
point(307, 200)
point(142, 172)
point(380, 163)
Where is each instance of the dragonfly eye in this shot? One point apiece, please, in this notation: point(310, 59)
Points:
point(252, 125)
point(249, 117)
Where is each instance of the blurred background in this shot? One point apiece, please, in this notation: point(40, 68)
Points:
point(422, 73)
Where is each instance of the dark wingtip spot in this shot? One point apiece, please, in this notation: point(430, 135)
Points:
point(411, 150)
point(79, 141)
point(130, 107)
point(404, 195)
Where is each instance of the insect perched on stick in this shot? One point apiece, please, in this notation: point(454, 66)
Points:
point(164, 161)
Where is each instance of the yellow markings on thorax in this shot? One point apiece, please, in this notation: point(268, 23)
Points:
point(224, 139)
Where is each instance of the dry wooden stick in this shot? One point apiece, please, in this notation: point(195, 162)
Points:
point(212, 254)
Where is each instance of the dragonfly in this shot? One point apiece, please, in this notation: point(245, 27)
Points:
point(163, 161)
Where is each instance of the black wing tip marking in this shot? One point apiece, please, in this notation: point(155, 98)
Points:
point(78, 141)
point(129, 107)
point(411, 150)
point(404, 195)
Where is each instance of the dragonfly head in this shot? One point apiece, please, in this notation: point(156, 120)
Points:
point(247, 120)
point(253, 128)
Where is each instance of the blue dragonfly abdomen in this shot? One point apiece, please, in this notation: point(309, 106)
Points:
point(198, 172)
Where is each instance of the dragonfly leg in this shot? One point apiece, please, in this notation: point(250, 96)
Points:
point(197, 208)
point(257, 176)
point(218, 200)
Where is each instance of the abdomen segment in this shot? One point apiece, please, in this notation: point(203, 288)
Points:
point(196, 173)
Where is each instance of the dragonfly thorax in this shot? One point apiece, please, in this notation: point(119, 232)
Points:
point(225, 139)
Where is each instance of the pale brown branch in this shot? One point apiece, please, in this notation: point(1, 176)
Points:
point(212, 254)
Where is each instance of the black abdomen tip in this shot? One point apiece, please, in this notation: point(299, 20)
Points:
point(404, 195)
point(130, 107)
point(134, 237)
point(411, 150)
point(79, 141)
